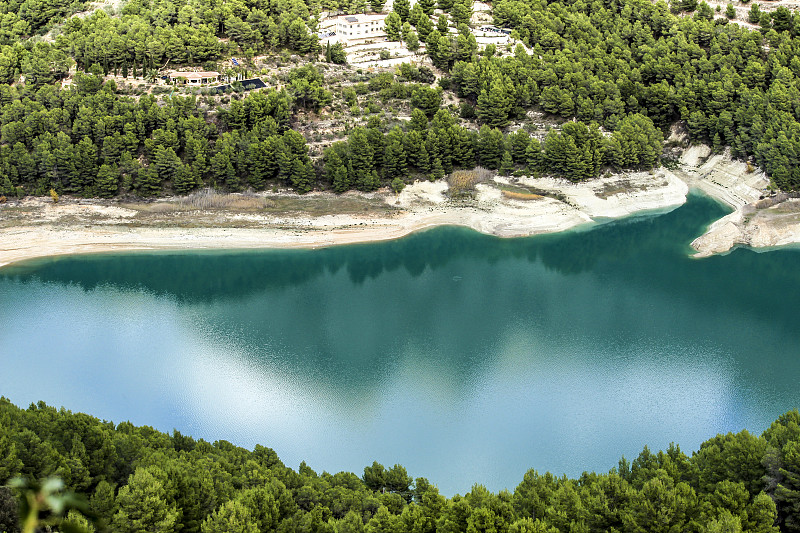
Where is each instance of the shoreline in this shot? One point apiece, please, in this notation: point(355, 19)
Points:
point(83, 226)
point(37, 228)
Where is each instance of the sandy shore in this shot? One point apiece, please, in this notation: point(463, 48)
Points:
point(35, 227)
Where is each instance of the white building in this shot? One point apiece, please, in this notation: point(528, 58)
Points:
point(193, 78)
point(351, 29)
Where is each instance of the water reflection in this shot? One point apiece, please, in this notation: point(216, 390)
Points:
point(207, 276)
point(466, 358)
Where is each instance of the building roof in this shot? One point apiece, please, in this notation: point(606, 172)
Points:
point(190, 75)
point(354, 19)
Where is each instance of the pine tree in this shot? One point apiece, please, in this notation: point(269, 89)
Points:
point(441, 24)
point(223, 173)
point(398, 185)
point(147, 182)
point(336, 170)
point(507, 164)
point(107, 181)
point(361, 159)
point(754, 15)
point(419, 121)
point(338, 54)
point(437, 172)
point(423, 160)
point(302, 175)
point(11, 465)
point(184, 180)
point(533, 156)
point(394, 162)
point(231, 516)
point(494, 105)
point(79, 476)
point(415, 14)
point(427, 6)
point(167, 163)
point(412, 42)
point(84, 171)
point(393, 26)
point(424, 28)
point(401, 7)
point(7, 188)
point(461, 13)
point(143, 504)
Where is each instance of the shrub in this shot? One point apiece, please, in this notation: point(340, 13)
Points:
point(463, 182)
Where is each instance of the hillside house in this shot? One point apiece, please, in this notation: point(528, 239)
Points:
point(352, 29)
point(193, 78)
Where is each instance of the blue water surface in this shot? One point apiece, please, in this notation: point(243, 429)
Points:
point(465, 358)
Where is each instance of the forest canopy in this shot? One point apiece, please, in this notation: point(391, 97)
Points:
point(615, 73)
point(140, 479)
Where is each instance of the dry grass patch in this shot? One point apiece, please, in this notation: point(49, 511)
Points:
point(525, 196)
point(328, 204)
point(208, 199)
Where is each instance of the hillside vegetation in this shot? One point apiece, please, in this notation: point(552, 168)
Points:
point(139, 479)
point(609, 78)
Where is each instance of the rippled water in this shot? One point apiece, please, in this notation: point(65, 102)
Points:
point(465, 358)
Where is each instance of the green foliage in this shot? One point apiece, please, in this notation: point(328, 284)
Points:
point(232, 516)
point(602, 62)
point(427, 6)
point(338, 55)
point(393, 26)
point(9, 512)
point(412, 41)
point(506, 164)
point(142, 503)
point(176, 483)
point(402, 8)
point(46, 504)
point(120, 144)
point(427, 99)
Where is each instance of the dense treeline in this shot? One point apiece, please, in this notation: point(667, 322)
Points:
point(31, 17)
point(139, 479)
point(369, 158)
point(149, 33)
point(601, 61)
point(146, 35)
point(624, 70)
point(90, 141)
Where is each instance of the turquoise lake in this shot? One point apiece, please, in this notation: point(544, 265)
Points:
point(465, 358)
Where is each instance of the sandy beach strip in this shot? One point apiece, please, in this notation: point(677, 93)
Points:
point(60, 229)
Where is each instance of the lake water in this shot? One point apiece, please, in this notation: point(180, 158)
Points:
point(465, 358)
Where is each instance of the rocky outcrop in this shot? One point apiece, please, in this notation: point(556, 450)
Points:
point(760, 219)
